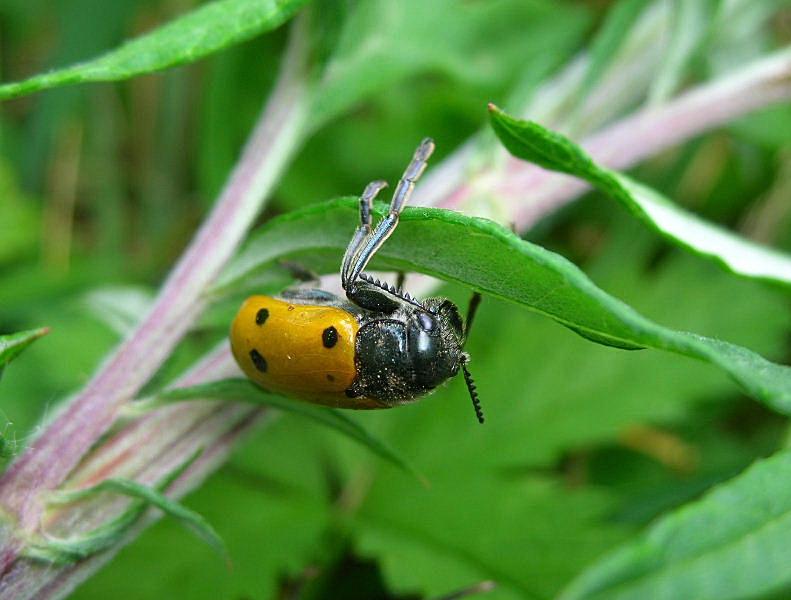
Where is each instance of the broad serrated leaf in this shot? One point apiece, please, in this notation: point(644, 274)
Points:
point(197, 34)
point(551, 150)
point(242, 390)
point(503, 529)
point(486, 256)
point(12, 344)
point(731, 544)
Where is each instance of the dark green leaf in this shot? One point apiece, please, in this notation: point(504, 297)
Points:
point(484, 255)
point(190, 37)
point(731, 544)
point(531, 141)
point(242, 390)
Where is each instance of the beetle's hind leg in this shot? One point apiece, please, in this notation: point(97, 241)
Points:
point(365, 242)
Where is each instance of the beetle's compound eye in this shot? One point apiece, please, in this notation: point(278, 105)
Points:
point(426, 321)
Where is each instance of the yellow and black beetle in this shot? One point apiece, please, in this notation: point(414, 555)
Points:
point(378, 348)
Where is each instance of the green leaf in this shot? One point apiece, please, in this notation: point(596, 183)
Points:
point(531, 141)
point(731, 544)
point(432, 541)
point(484, 255)
point(243, 390)
point(12, 344)
point(188, 38)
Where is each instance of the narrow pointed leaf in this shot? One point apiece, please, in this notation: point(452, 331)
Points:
point(488, 257)
point(197, 34)
point(530, 141)
point(731, 544)
point(242, 390)
point(64, 551)
point(107, 535)
point(12, 344)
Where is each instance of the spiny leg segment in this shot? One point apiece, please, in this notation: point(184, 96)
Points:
point(366, 242)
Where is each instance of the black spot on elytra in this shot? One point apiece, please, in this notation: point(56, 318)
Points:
point(258, 360)
point(330, 377)
point(329, 337)
point(261, 316)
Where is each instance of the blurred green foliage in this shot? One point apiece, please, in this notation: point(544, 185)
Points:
point(103, 185)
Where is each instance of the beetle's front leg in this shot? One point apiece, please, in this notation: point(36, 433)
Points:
point(369, 297)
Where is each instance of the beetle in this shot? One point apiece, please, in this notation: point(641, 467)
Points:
point(379, 347)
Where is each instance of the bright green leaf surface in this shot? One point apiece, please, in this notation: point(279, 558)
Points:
point(207, 29)
point(531, 141)
point(469, 535)
point(243, 390)
point(731, 544)
point(484, 255)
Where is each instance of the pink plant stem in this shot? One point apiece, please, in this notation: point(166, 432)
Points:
point(91, 412)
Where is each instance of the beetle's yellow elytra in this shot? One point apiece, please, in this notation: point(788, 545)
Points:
point(300, 350)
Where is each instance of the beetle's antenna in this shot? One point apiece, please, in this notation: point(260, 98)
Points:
point(476, 403)
point(475, 300)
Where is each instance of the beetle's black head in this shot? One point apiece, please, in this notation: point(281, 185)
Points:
point(435, 338)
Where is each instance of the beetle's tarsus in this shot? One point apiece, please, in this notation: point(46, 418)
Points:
point(365, 243)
